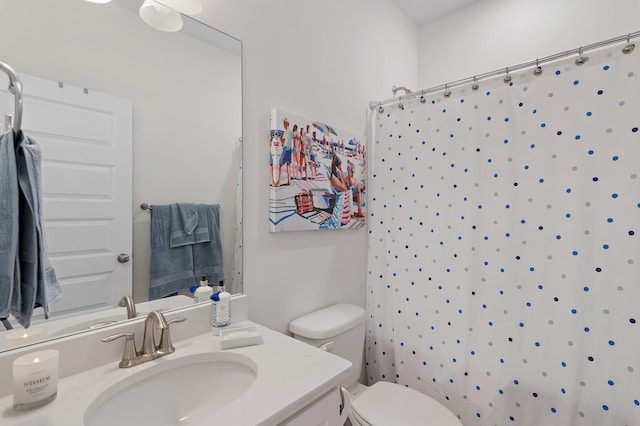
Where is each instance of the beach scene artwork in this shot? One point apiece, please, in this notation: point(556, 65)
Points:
point(318, 175)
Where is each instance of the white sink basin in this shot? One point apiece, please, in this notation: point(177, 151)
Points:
point(180, 391)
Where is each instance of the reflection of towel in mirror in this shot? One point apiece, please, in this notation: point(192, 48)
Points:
point(171, 269)
point(176, 268)
point(207, 256)
point(8, 221)
point(187, 226)
point(38, 283)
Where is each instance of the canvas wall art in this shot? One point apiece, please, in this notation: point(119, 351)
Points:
point(317, 175)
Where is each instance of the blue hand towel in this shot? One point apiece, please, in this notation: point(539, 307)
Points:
point(171, 268)
point(49, 289)
point(26, 285)
point(38, 283)
point(8, 221)
point(207, 256)
point(30, 180)
point(187, 226)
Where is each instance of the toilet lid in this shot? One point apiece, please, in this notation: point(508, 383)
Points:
point(387, 403)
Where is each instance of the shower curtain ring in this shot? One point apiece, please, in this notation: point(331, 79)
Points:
point(400, 104)
point(629, 47)
point(538, 71)
point(507, 78)
point(475, 85)
point(422, 99)
point(447, 92)
point(580, 60)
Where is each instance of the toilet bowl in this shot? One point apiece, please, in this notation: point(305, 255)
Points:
point(340, 329)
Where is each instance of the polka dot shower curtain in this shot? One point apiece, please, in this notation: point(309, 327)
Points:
point(504, 248)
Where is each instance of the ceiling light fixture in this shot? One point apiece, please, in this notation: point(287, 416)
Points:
point(187, 7)
point(160, 17)
point(164, 15)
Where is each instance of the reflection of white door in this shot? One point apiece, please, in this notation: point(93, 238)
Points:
point(86, 141)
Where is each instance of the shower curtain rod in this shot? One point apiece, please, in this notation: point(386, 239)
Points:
point(537, 63)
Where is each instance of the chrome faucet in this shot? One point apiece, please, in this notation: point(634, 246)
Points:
point(154, 320)
point(127, 302)
point(150, 350)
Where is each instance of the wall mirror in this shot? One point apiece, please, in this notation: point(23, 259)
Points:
point(184, 94)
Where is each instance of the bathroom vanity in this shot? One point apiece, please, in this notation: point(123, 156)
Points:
point(281, 381)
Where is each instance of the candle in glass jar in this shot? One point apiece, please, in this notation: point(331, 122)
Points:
point(35, 379)
point(23, 337)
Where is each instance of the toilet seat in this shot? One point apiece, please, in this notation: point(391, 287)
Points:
point(390, 404)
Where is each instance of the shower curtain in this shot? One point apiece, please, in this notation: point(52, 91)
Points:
point(504, 245)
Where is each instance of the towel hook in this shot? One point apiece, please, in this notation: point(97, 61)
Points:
point(15, 87)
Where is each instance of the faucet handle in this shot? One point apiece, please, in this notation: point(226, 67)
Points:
point(180, 319)
point(166, 346)
point(130, 352)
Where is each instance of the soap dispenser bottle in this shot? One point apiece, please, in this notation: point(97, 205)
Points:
point(204, 292)
point(220, 309)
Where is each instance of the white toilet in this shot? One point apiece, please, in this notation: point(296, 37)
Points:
point(340, 329)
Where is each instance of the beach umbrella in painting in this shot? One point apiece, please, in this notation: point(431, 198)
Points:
point(277, 133)
point(324, 128)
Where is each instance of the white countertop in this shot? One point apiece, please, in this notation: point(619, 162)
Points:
point(290, 375)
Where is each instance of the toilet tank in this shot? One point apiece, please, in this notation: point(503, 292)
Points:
point(339, 329)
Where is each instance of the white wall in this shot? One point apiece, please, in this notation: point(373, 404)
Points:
point(493, 34)
point(319, 60)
